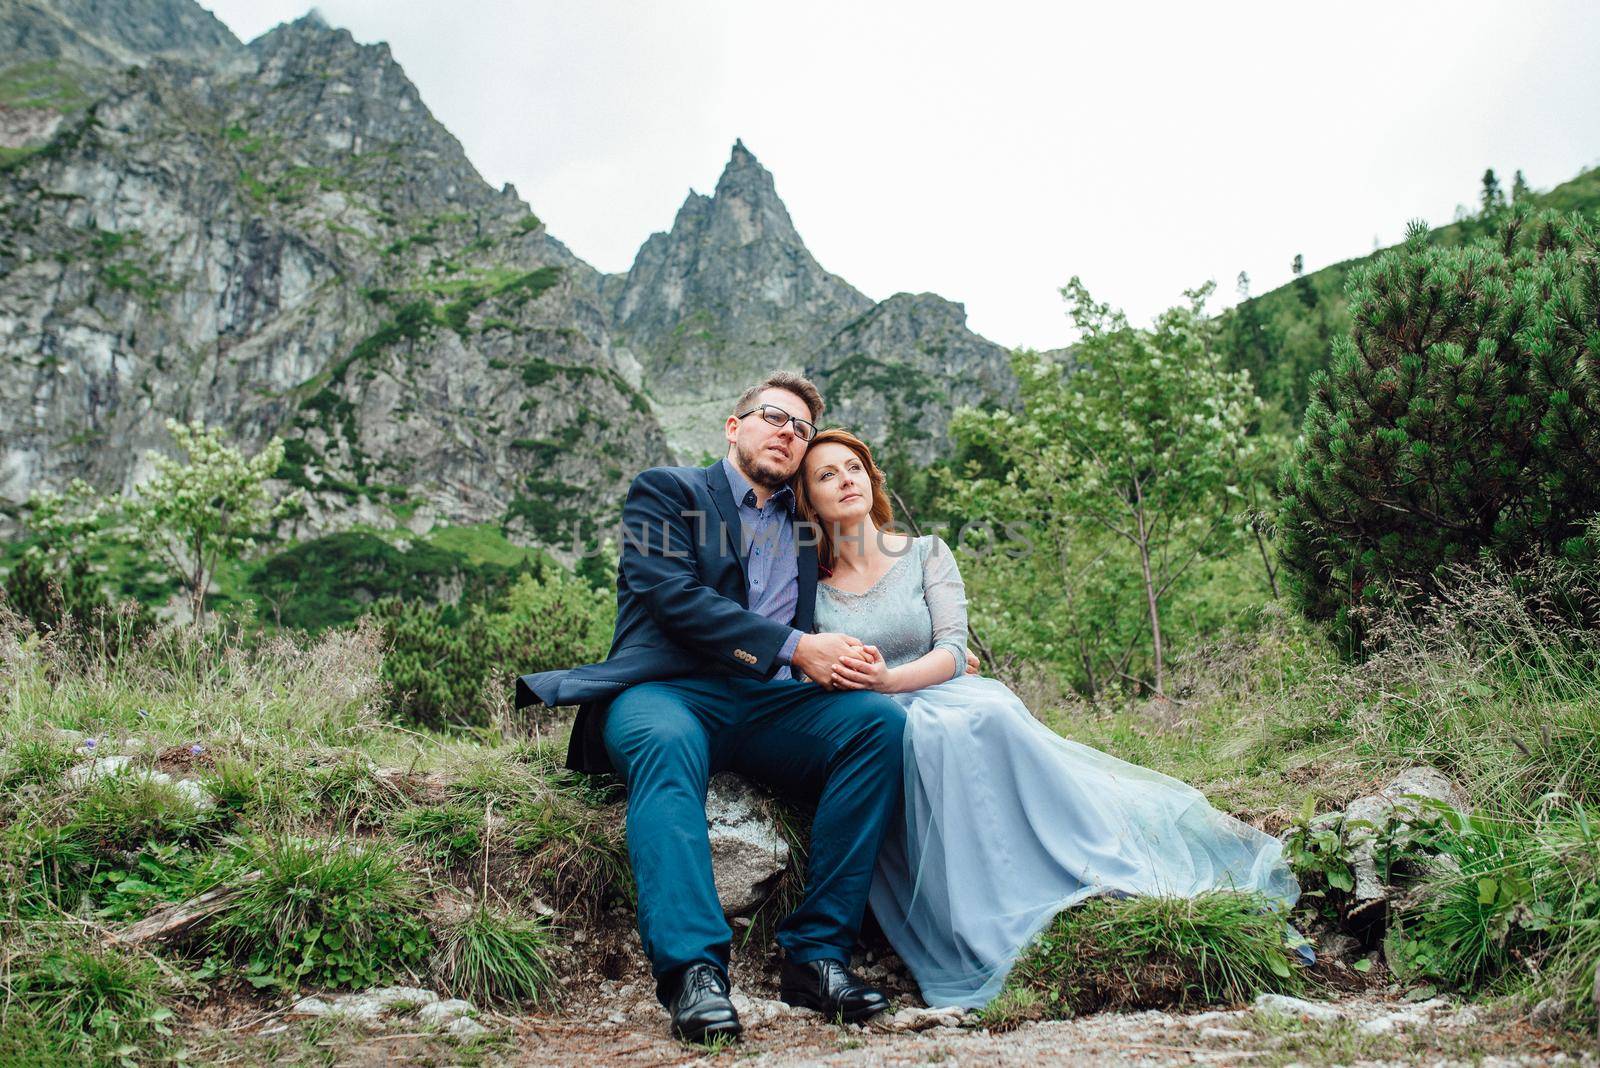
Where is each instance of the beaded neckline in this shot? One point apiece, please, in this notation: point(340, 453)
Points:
point(872, 588)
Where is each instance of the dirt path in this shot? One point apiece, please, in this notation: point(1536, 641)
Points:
point(1363, 1030)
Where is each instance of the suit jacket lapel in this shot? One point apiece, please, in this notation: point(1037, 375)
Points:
point(732, 531)
point(805, 611)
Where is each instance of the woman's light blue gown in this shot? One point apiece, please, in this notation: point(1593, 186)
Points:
point(1006, 823)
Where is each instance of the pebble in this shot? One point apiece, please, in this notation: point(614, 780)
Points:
point(1283, 1006)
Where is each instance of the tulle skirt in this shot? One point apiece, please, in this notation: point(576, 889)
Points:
point(1006, 823)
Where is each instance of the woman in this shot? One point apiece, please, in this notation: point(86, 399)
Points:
point(1006, 823)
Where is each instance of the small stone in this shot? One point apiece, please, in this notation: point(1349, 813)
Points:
point(439, 1013)
point(1224, 1034)
point(195, 794)
point(617, 1018)
point(756, 1011)
point(98, 768)
point(1548, 1013)
point(311, 1006)
point(915, 1019)
point(465, 1027)
point(1338, 946)
point(1283, 1006)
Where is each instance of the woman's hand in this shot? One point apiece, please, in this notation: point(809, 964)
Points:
point(865, 672)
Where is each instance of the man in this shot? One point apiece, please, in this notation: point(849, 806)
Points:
point(700, 679)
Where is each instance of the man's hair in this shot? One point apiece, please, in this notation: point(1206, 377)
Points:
point(799, 385)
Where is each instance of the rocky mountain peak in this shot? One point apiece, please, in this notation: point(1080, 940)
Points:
point(746, 201)
point(344, 105)
point(113, 32)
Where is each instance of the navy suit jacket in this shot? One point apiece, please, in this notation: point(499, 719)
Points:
point(682, 607)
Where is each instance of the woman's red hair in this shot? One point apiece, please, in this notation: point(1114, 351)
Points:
point(882, 513)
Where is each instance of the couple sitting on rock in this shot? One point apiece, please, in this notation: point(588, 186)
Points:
point(938, 797)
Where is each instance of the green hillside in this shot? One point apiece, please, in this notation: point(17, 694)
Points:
point(1283, 335)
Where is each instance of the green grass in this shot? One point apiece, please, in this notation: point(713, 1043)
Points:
point(449, 833)
point(322, 912)
point(43, 83)
point(494, 957)
point(483, 543)
point(1147, 952)
point(122, 812)
point(81, 1001)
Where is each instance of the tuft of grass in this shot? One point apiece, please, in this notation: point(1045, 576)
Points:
point(34, 762)
point(580, 854)
point(1157, 952)
point(1011, 1008)
point(452, 832)
point(493, 956)
point(122, 812)
point(91, 1001)
point(322, 911)
point(349, 789)
point(44, 868)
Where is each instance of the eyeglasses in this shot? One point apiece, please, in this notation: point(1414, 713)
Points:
point(778, 417)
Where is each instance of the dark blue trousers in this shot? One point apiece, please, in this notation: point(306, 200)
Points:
point(839, 750)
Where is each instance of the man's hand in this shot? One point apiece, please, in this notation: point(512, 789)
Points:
point(972, 663)
point(818, 654)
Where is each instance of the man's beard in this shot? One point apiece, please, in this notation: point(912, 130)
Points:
point(755, 466)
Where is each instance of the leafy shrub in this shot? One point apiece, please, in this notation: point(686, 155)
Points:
point(1518, 903)
point(1458, 418)
point(442, 662)
point(491, 956)
point(330, 580)
point(1322, 850)
point(324, 912)
point(1146, 952)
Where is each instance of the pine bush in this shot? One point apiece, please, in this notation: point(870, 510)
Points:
point(1460, 419)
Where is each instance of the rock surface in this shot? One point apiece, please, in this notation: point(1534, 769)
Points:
point(1402, 799)
point(278, 237)
point(383, 1006)
point(747, 852)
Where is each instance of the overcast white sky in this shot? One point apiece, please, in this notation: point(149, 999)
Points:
point(988, 152)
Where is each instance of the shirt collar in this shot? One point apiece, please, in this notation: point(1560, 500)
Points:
point(742, 488)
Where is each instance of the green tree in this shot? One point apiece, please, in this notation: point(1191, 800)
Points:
point(54, 581)
point(210, 507)
point(1519, 188)
point(1491, 199)
point(1138, 443)
point(1459, 418)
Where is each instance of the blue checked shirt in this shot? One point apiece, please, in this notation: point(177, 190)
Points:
point(772, 564)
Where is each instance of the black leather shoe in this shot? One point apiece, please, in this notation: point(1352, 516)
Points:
point(700, 1009)
point(828, 987)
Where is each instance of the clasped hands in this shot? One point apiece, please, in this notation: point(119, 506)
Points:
point(841, 662)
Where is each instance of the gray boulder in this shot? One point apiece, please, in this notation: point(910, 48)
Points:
point(748, 854)
point(1404, 800)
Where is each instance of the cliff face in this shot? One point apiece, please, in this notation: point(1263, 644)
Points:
point(732, 290)
point(280, 238)
point(286, 242)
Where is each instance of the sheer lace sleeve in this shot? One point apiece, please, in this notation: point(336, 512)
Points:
point(947, 601)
